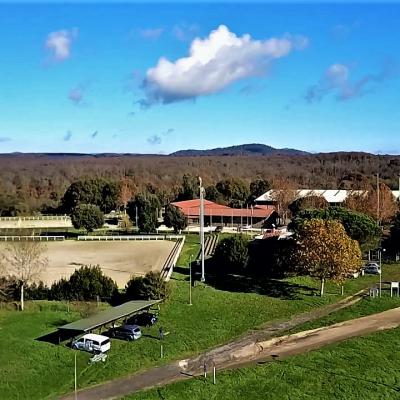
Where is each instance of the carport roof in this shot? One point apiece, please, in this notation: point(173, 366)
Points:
point(108, 316)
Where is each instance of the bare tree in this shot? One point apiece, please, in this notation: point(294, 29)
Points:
point(25, 260)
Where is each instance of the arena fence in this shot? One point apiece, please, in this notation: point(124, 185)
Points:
point(31, 238)
point(38, 218)
point(129, 237)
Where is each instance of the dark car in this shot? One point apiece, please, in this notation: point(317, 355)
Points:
point(144, 319)
point(126, 332)
point(218, 229)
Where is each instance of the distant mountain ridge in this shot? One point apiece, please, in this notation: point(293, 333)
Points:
point(252, 149)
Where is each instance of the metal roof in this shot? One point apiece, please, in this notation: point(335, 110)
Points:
point(330, 195)
point(109, 315)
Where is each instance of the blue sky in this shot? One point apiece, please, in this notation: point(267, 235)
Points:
point(87, 77)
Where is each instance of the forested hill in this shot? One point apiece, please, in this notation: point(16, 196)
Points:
point(253, 149)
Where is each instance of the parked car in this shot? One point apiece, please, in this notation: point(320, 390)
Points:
point(218, 229)
point(126, 332)
point(92, 343)
point(354, 274)
point(144, 319)
point(372, 268)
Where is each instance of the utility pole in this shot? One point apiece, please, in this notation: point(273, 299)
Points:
point(75, 389)
point(190, 280)
point(380, 272)
point(136, 219)
point(202, 227)
point(378, 198)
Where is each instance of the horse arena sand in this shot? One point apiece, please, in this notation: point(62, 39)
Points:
point(120, 260)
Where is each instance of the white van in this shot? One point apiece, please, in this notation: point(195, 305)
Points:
point(92, 343)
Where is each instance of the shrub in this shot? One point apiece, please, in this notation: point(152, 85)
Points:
point(87, 216)
point(231, 254)
point(150, 287)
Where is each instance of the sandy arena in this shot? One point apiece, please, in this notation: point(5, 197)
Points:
point(118, 260)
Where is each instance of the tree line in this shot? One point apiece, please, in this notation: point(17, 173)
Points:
point(36, 183)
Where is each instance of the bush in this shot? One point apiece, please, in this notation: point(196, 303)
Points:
point(87, 216)
point(150, 287)
point(175, 218)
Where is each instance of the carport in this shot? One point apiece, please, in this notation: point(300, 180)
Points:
point(104, 318)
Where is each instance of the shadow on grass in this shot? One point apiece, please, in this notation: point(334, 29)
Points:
point(57, 337)
point(253, 284)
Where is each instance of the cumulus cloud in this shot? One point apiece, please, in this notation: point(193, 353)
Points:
point(151, 33)
point(337, 80)
point(67, 137)
point(4, 139)
point(154, 139)
point(94, 134)
point(213, 64)
point(59, 43)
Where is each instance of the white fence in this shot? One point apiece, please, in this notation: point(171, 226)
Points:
point(38, 218)
point(130, 237)
point(31, 238)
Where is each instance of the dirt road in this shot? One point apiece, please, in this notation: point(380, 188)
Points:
point(243, 352)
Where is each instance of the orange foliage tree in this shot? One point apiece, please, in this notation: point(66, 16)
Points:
point(325, 251)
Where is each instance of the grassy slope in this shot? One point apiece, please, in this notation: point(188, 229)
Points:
point(34, 370)
point(362, 368)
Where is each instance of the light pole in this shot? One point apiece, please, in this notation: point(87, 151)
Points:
point(202, 227)
point(190, 280)
point(75, 381)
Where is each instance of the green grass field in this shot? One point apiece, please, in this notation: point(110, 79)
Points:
point(30, 369)
point(365, 368)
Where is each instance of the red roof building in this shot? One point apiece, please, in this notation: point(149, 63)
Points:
point(219, 214)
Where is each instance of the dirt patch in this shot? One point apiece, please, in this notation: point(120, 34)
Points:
point(118, 260)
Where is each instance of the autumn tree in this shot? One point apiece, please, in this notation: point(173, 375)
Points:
point(325, 251)
point(366, 201)
point(307, 202)
point(125, 193)
point(175, 218)
point(283, 195)
point(24, 261)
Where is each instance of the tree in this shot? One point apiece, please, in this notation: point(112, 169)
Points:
point(97, 191)
point(304, 203)
point(25, 261)
point(393, 241)
point(325, 251)
point(150, 287)
point(86, 283)
point(147, 206)
point(125, 193)
point(212, 194)
point(283, 195)
point(87, 216)
point(175, 218)
point(234, 191)
point(189, 189)
point(366, 201)
point(257, 188)
point(231, 254)
point(358, 226)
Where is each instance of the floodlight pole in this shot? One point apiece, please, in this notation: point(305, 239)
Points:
point(202, 227)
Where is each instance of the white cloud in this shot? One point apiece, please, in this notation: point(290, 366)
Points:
point(59, 43)
point(184, 32)
point(76, 95)
point(214, 63)
point(151, 33)
point(67, 137)
point(337, 80)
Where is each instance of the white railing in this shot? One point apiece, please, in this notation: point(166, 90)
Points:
point(38, 218)
point(31, 238)
point(130, 237)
